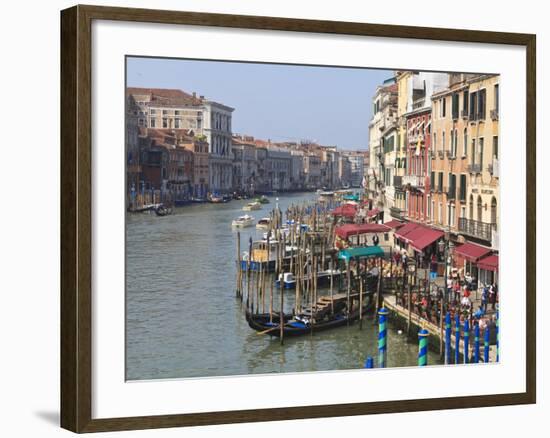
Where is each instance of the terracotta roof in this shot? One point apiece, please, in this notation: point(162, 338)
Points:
point(164, 96)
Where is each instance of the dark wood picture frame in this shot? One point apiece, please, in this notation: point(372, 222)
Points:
point(76, 217)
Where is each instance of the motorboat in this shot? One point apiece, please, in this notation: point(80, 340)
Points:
point(243, 221)
point(264, 223)
point(252, 206)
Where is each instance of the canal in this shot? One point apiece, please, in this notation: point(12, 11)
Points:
point(182, 317)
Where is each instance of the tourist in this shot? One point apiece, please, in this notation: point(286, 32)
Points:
point(492, 295)
point(484, 298)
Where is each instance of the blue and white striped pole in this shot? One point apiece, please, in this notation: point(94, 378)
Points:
point(369, 362)
point(423, 348)
point(382, 337)
point(457, 338)
point(466, 341)
point(476, 343)
point(486, 345)
point(448, 338)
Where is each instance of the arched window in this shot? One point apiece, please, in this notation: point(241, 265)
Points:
point(479, 208)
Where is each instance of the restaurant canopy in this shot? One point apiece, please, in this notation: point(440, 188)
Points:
point(365, 251)
point(346, 210)
point(471, 251)
point(347, 230)
point(395, 224)
point(489, 263)
point(418, 236)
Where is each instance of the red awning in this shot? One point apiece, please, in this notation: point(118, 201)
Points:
point(347, 210)
point(405, 230)
point(352, 229)
point(395, 224)
point(472, 252)
point(489, 263)
point(424, 236)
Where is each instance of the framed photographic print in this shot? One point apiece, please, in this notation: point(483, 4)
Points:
point(303, 218)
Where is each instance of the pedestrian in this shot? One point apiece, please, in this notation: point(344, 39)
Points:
point(484, 298)
point(404, 258)
point(492, 295)
point(375, 240)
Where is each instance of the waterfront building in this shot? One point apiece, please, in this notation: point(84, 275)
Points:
point(382, 140)
point(480, 221)
point(417, 103)
point(217, 128)
point(297, 174)
point(344, 170)
point(278, 168)
point(199, 147)
point(312, 170)
point(245, 168)
point(329, 166)
point(175, 109)
point(356, 160)
point(465, 158)
point(133, 161)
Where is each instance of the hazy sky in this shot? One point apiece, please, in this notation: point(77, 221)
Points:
point(329, 105)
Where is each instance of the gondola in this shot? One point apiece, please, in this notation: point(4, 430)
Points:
point(161, 210)
point(296, 327)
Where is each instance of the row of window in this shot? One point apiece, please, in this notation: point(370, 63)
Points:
point(476, 147)
point(474, 104)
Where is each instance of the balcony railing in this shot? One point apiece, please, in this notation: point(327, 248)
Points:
point(413, 180)
point(397, 213)
point(481, 230)
point(494, 115)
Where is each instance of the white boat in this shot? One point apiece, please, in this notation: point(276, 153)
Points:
point(264, 223)
point(252, 206)
point(243, 221)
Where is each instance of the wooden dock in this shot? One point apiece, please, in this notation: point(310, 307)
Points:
point(437, 333)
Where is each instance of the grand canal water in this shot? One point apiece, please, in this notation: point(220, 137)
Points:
point(182, 317)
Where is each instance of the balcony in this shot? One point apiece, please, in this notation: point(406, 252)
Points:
point(413, 180)
point(397, 213)
point(474, 168)
point(481, 230)
point(494, 115)
point(450, 155)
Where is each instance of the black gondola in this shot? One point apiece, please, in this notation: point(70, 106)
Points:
point(161, 210)
point(296, 327)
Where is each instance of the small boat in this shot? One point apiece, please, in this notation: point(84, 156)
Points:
point(227, 198)
point(328, 313)
point(326, 194)
point(198, 200)
point(243, 221)
point(161, 210)
point(262, 199)
point(252, 206)
point(264, 223)
point(216, 199)
point(323, 278)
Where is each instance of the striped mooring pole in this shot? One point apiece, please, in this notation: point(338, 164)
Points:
point(466, 341)
point(476, 343)
point(498, 335)
point(486, 345)
point(369, 363)
point(448, 338)
point(457, 338)
point(382, 337)
point(423, 348)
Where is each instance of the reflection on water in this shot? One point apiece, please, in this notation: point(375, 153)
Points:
point(183, 319)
